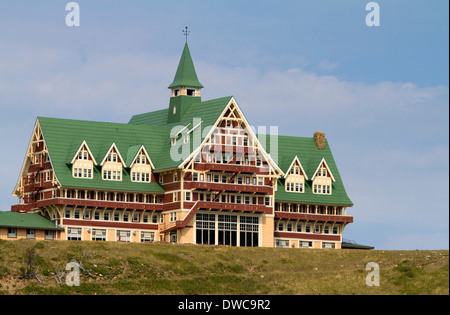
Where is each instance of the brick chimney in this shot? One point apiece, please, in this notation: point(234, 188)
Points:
point(319, 138)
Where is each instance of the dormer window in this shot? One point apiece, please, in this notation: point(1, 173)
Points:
point(322, 179)
point(83, 162)
point(141, 167)
point(295, 177)
point(112, 164)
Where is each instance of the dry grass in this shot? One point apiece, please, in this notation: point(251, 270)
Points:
point(119, 268)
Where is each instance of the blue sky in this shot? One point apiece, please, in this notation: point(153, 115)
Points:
point(379, 93)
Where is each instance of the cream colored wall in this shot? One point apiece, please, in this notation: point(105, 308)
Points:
point(267, 231)
point(183, 91)
point(22, 233)
point(83, 164)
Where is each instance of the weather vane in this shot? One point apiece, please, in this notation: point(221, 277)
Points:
point(186, 32)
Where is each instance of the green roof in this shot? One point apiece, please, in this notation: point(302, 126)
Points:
point(186, 75)
point(310, 157)
point(26, 220)
point(63, 137)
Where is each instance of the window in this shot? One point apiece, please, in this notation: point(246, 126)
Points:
point(249, 231)
point(260, 181)
point(188, 196)
point(48, 234)
point(30, 233)
point(123, 236)
point(335, 230)
point(299, 227)
point(12, 232)
point(73, 234)
point(173, 217)
point(328, 245)
point(282, 243)
point(304, 244)
point(147, 236)
point(317, 228)
point(205, 228)
point(98, 234)
point(190, 92)
point(227, 229)
point(195, 176)
point(280, 226)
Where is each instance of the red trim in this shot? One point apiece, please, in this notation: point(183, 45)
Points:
point(111, 224)
point(313, 217)
point(100, 204)
point(307, 236)
point(228, 187)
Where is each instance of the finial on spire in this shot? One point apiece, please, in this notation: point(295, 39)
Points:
point(186, 32)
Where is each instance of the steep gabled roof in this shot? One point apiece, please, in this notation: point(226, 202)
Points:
point(61, 134)
point(310, 157)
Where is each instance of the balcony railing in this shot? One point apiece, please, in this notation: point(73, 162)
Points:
point(229, 187)
point(223, 167)
point(100, 204)
point(314, 217)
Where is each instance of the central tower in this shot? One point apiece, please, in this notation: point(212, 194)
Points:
point(185, 88)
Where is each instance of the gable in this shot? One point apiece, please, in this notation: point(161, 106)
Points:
point(296, 163)
point(83, 148)
point(233, 115)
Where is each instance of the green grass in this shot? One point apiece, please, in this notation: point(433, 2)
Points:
point(119, 268)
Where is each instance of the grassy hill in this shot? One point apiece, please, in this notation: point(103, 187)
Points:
point(119, 268)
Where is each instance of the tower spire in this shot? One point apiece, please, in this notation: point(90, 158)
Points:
point(186, 33)
point(185, 86)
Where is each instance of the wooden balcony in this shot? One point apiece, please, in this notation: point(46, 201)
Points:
point(235, 168)
point(229, 187)
point(100, 204)
point(313, 217)
point(234, 207)
point(230, 148)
